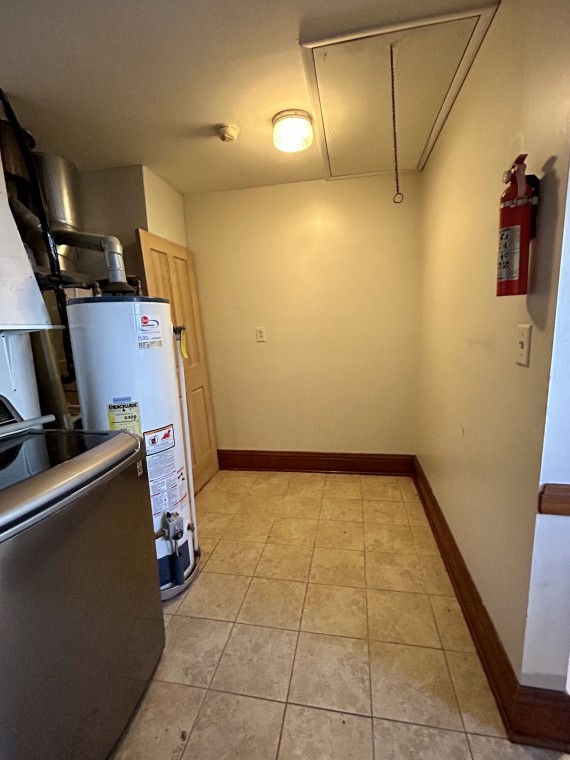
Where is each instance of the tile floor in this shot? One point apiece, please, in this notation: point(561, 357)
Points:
point(323, 626)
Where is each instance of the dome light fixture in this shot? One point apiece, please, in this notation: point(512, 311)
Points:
point(292, 130)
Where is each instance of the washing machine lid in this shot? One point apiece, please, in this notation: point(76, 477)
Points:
point(41, 469)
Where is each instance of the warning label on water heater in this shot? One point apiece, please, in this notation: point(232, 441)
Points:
point(149, 333)
point(125, 416)
point(159, 440)
point(161, 465)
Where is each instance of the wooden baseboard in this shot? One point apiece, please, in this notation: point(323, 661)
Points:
point(311, 461)
point(554, 499)
point(538, 717)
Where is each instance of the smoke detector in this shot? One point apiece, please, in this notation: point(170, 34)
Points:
point(227, 132)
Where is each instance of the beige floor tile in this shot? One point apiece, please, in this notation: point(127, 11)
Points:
point(385, 512)
point(207, 546)
point(305, 507)
point(478, 706)
point(254, 529)
point(335, 610)
point(415, 513)
point(213, 525)
point(341, 509)
point(336, 534)
point(394, 572)
point(232, 727)
point(234, 557)
point(266, 487)
point(235, 484)
point(338, 567)
point(167, 619)
point(274, 603)
point(287, 563)
point(408, 490)
point(380, 488)
point(162, 724)
point(218, 501)
point(401, 618)
point(270, 476)
point(343, 487)
point(210, 487)
point(435, 576)
point(261, 506)
point(451, 624)
point(192, 651)
point(215, 596)
point(257, 662)
point(310, 734)
point(171, 606)
point(392, 539)
point(306, 484)
point(424, 541)
point(331, 672)
point(487, 748)
point(293, 532)
point(405, 741)
point(412, 684)
point(247, 474)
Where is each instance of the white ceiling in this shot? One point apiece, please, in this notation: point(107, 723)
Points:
point(145, 81)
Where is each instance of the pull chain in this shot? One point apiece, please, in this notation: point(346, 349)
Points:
point(398, 197)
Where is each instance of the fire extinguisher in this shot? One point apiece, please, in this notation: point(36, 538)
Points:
point(517, 227)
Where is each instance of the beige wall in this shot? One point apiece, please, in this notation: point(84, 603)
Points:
point(164, 208)
point(330, 269)
point(112, 203)
point(117, 201)
point(482, 415)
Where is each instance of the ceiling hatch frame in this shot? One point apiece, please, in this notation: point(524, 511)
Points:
point(483, 17)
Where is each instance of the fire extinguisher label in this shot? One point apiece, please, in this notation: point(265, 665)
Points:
point(509, 253)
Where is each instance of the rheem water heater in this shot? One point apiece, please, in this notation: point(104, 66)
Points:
point(125, 362)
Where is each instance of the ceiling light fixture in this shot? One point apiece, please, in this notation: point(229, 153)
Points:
point(292, 130)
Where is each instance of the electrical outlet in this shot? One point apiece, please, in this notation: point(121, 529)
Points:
point(523, 345)
point(260, 335)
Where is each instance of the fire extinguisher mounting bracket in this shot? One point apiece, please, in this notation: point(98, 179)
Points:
point(521, 202)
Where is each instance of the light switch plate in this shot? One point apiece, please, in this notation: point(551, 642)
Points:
point(523, 344)
point(260, 335)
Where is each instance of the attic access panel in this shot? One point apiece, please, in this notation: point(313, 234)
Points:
point(350, 80)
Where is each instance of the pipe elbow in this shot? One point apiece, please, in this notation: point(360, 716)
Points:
point(111, 244)
point(114, 259)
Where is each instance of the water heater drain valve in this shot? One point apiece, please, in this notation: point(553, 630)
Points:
point(173, 526)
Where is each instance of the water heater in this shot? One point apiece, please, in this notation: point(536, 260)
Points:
point(126, 378)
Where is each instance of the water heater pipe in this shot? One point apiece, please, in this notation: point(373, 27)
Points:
point(111, 246)
point(178, 330)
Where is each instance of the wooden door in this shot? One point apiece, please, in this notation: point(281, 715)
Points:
point(169, 273)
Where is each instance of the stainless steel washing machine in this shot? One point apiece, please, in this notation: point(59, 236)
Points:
point(81, 627)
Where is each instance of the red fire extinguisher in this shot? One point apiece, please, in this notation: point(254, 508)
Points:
point(517, 227)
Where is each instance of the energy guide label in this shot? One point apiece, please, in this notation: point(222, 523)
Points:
point(161, 466)
point(125, 416)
